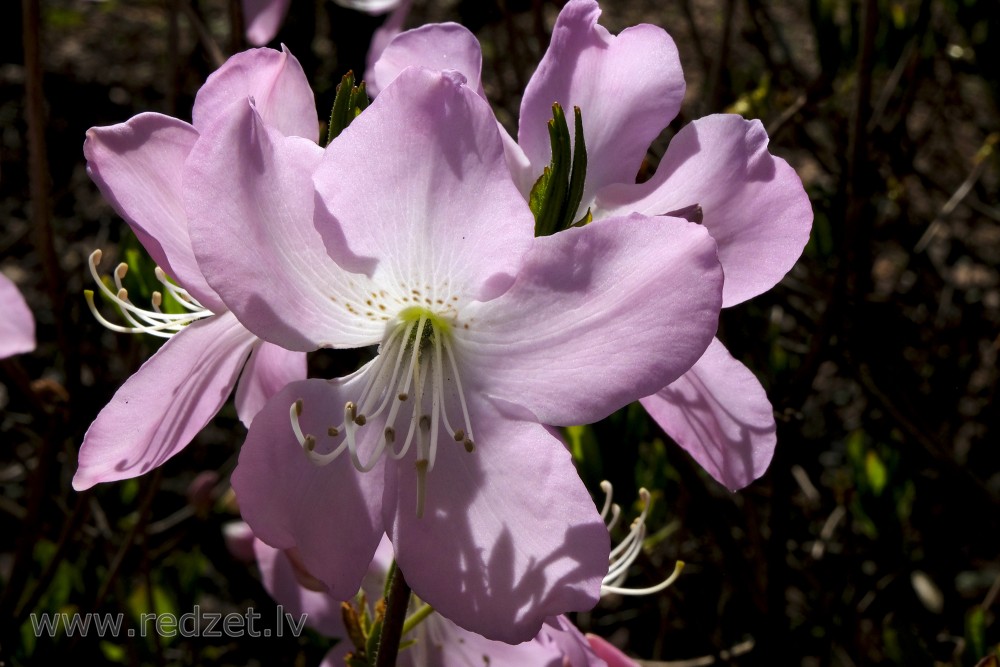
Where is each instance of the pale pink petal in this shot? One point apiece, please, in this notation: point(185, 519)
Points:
point(753, 203)
point(279, 578)
point(437, 46)
point(600, 316)
point(560, 633)
point(428, 191)
point(323, 612)
point(384, 34)
point(274, 80)
point(17, 325)
point(270, 368)
point(509, 534)
point(250, 197)
point(158, 410)
point(331, 515)
point(441, 642)
point(628, 89)
point(720, 414)
point(138, 166)
point(263, 19)
point(443, 46)
point(609, 653)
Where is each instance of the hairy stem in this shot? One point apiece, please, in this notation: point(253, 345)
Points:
point(397, 603)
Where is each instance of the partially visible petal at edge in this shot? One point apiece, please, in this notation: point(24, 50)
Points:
point(560, 632)
point(331, 515)
point(442, 46)
point(610, 654)
point(436, 46)
point(160, 409)
point(138, 166)
point(509, 533)
point(719, 413)
point(628, 87)
point(441, 642)
point(250, 197)
point(384, 34)
point(17, 326)
point(270, 368)
point(598, 317)
point(753, 203)
point(263, 19)
point(276, 83)
point(278, 576)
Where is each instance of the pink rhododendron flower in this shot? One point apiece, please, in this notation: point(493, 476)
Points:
point(263, 18)
point(138, 166)
point(408, 232)
point(17, 325)
point(717, 171)
point(437, 641)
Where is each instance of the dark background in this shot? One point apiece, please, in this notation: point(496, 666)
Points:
point(872, 539)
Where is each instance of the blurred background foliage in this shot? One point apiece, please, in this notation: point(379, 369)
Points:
point(872, 539)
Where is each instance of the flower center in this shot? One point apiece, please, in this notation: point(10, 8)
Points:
point(414, 381)
point(154, 322)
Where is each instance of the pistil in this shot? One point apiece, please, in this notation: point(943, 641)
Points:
point(411, 364)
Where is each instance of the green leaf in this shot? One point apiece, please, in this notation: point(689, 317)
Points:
point(556, 195)
point(113, 652)
point(875, 472)
point(539, 191)
point(587, 218)
point(578, 176)
point(975, 631)
point(549, 217)
point(371, 649)
point(348, 104)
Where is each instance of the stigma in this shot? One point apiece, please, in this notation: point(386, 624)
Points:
point(413, 398)
point(154, 322)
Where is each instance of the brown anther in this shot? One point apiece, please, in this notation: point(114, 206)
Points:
point(469, 445)
point(403, 396)
point(390, 435)
point(310, 443)
point(425, 422)
point(360, 420)
point(333, 431)
point(459, 435)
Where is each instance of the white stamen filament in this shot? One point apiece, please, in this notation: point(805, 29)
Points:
point(421, 344)
point(614, 508)
point(154, 322)
point(181, 295)
point(625, 553)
